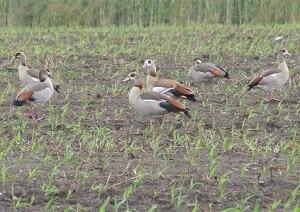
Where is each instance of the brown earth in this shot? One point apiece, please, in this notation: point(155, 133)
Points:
point(221, 115)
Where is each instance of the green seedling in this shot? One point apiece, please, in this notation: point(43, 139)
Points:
point(69, 194)
point(32, 174)
point(117, 204)
point(104, 205)
point(49, 190)
point(275, 205)
point(17, 202)
point(4, 174)
point(223, 179)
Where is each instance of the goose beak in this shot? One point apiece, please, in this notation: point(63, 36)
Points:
point(288, 54)
point(50, 75)
point(126, 79)
point(144, 66)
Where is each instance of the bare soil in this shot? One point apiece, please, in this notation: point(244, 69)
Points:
point(129, 128)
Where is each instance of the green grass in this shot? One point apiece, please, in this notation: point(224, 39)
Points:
point(93, 152)
point(146, 13)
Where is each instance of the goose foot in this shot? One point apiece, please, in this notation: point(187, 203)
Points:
point(32, 115)
point(272, 98)
point(35, 117)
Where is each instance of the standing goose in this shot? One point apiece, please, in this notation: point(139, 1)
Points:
point(207, 72)
point(36, 92)
point(27, 75)
point(152, 104)
point(166, 86)
point(273, 78)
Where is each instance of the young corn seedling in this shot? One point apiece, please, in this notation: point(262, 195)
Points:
point(69, 194)
point(161, 172)
point(138, 180)
point(128, 192)
point(177, 198)
point(117, 204)
point(242, 204)
point(293, 198)
point(196, 205)
point(192, 155)
point(180, 200)
point(153, 208)
point(104, 205)
point(223, 179)
point(49, 189)
point(256, 207)
point(70, 155)
point(98, 187)
point(251, 113)
point(50, 204)
point(256, 187)
point(72, 74)
point(275, 205)
point(64, 112)
point(291, 162)
point(4, 174)
point(17, 202)
point(32, 174)
point(227, 143)
point(105, 161)
point(192, 184)
point(214, 162)
point(154, 144)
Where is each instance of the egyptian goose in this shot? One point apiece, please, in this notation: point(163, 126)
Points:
point(273, 78)
point(165, 86)
point(207, 72)
point(27, 75)
point(37, 92)
point(152, 104)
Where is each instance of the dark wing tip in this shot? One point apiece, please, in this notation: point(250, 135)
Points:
point(18, 102)
point(187, 113)
point(192, 98)
point(227, 75)
point(57, 88)
point(223, 69)
point(250, 87)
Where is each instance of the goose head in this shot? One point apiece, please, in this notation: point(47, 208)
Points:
point(19, 55)
point(282, 53)
point(133, 77)
point(44, 74)
point(149, 65)
point(130, 77)
point(197, 62)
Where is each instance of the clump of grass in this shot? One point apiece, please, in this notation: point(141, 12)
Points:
point(150, 13)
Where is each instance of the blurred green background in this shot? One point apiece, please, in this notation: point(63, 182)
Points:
point(94, 13)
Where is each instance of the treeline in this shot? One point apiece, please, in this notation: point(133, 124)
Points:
point(146, 12)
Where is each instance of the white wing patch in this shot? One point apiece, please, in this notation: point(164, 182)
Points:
point(35, 79)
point(153, 100)
point(161, 89)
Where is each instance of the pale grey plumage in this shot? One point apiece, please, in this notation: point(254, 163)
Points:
point(273, 78)
point(206, 72)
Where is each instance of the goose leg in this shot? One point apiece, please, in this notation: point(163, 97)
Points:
point(32, 114)
point(272, 97)
point(157, 123)
point(154, 127)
